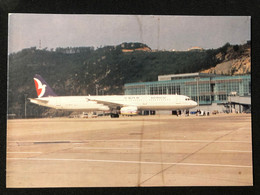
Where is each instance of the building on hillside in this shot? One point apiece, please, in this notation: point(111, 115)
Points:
point(137, 49)
point(195, 48)
point(211, 91)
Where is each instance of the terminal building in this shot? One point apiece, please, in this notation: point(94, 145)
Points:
point(212, 92)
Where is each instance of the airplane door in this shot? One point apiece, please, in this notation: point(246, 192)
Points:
point(178, 100)
point(57, 104)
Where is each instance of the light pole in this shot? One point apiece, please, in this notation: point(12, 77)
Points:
point(197, 78)
point(25, 96)
point(158, 35)
point(97, 89)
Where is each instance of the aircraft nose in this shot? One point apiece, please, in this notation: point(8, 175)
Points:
point(194, 103)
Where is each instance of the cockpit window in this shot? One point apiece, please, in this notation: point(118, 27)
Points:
point(187, 99)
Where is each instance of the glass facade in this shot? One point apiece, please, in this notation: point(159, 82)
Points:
point(209, 90)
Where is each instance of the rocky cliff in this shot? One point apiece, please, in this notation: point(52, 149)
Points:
point(236, 60)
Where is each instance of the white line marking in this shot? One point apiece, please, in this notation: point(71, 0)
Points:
point(235, 151)
point(89, 148)
point(132, 140)
point(24, 152)
point(131, 162)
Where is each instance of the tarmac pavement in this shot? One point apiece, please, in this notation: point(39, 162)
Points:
point(160, 150)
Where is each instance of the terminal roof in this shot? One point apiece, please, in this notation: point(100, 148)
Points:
point(185, 76)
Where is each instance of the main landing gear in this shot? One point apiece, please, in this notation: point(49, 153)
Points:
point(114, 113)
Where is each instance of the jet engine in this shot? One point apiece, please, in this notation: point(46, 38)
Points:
point(129, 110)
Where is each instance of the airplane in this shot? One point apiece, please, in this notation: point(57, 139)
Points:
point(128, 104)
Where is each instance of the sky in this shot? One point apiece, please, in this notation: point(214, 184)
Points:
point(158, 32)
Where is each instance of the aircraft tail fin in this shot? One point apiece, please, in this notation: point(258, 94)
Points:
point(42, 87)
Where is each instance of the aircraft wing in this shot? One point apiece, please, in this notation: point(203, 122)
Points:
point(108, 103)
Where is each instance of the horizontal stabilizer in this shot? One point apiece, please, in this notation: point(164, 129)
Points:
point(38, 101)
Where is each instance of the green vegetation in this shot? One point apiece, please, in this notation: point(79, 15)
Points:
point(78, 71)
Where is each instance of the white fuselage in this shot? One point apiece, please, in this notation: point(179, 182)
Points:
point(80, 103)
point(95, 103)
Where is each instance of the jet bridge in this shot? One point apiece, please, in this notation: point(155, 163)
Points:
point(240, 103)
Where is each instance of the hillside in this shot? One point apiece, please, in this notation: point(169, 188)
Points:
point(85, 70)
point(235, 61)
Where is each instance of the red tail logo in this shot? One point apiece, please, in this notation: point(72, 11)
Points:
point(40, 88)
